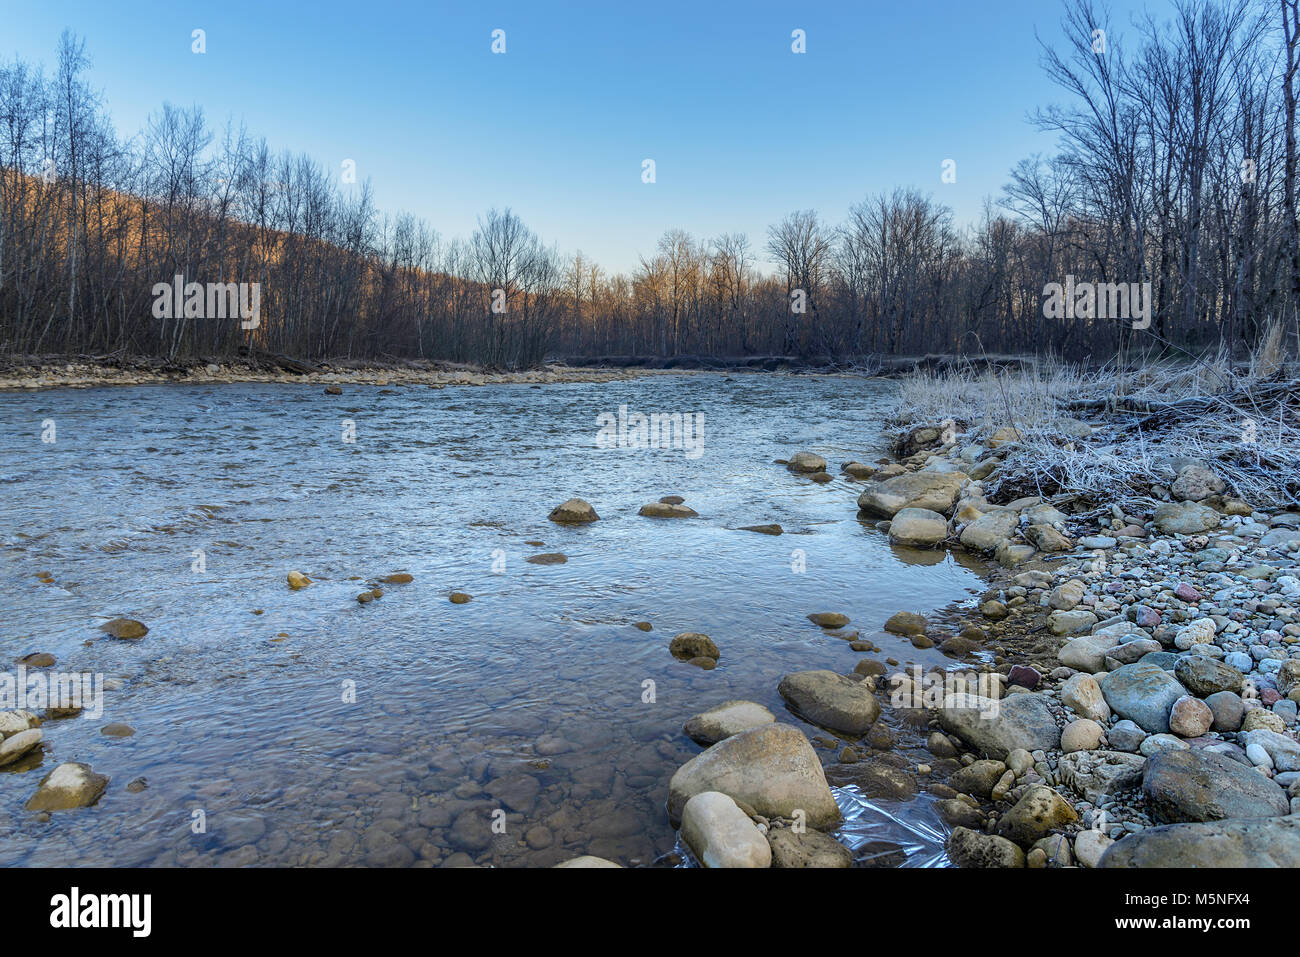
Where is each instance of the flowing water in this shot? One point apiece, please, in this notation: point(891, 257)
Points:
point(283, 727)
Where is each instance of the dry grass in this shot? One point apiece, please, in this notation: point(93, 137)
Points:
point(1239, 420)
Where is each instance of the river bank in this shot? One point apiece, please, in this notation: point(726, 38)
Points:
point(39, 373)
point(1133, 669)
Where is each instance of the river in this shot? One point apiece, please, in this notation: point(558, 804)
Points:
point(281, 727)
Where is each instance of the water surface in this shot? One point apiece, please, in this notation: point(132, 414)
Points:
point(533, 698)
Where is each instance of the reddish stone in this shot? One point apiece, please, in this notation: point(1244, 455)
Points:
point(1187, 593)
point(1024, 676)
point(1147, 618)
point(1270, 697)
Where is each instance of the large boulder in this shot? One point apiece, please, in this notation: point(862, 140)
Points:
point(935, 491)
point(726, 719)
point(831, 700)
point(721, 835)
point(1086, 654)
point(998, 727)
point(1185, 518)
point(772, 769)
point(990, 530)
point(918, 528)
point(1266, 842)
point(1199, 785)
point(1144, 693)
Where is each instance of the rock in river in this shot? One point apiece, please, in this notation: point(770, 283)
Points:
point(127, 628)
point(829, 619)
point(666, 510)
point(1198, 785)
point(772, 769)
point(831, 700)
point(935, 491)
point(997, 728)
point(728, 718)
point(573, 512)
point(16, 745)
point(68, 786)
point(721, 835)
point(806, 462)
point(918, 528)
point(690, 644)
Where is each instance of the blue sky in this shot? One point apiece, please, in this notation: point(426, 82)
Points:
point(742, 130)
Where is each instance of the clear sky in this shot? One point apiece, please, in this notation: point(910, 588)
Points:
point(742, 130)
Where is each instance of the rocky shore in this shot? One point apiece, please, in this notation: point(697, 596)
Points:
point(1130, 699)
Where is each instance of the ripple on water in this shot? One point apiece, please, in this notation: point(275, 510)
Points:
point(322, 731)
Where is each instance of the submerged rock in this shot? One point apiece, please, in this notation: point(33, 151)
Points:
point(298, 580)
point(127, 628)
point(667, 510)
point(829, 619)
point(587, 860)
point(547, 558)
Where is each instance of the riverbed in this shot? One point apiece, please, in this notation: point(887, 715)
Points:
point(279, 727)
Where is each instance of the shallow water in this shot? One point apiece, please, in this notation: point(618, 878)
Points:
point(530, 698)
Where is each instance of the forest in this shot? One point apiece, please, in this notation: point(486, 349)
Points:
point(1175, 165)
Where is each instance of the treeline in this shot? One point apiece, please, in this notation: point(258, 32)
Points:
point(1176, 167)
